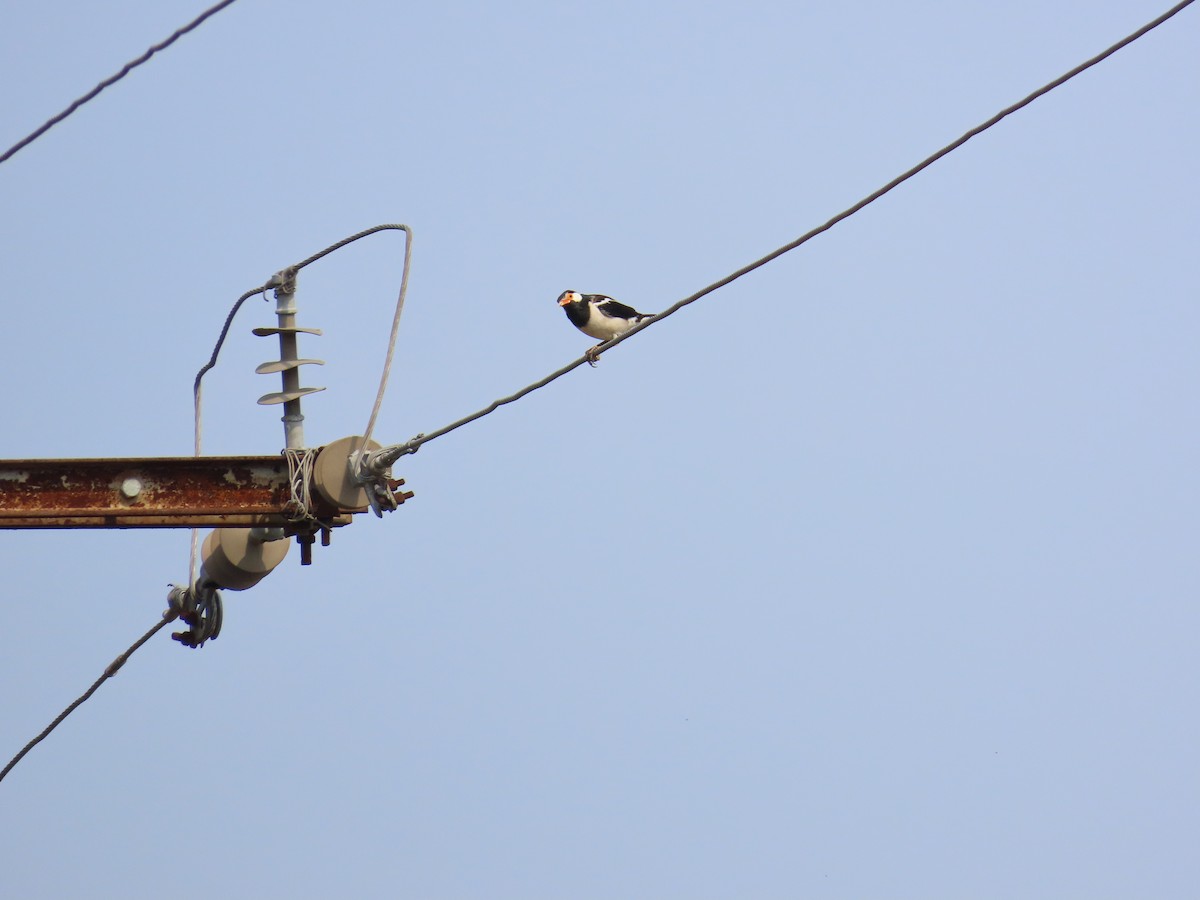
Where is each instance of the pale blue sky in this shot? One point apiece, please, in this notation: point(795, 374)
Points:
point(871, 575)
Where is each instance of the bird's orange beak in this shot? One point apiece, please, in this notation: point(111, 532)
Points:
point(564, 299)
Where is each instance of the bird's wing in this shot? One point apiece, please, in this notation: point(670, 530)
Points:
point(607, 306)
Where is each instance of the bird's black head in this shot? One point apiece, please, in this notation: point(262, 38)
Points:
point(567, 297)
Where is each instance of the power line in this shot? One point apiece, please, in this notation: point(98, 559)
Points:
point(108, 82)
point(413, 444)
point(111, 670)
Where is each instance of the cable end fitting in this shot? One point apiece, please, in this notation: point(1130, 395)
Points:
point(284, 281)
point(378, 463)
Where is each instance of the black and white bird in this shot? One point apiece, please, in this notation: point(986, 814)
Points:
point(599, 316)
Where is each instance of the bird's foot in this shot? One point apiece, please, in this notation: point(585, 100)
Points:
point(592, 356)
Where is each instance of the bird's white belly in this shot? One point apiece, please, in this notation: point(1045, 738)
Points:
point(603, 328)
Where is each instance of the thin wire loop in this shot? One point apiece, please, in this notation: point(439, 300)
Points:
point(387, 361)
point(197, 404)
point(391, 350)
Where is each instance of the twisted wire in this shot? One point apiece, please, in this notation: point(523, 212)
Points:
point(108, 82)
point(300, 469)
point(414, 443)
point(346, 241)
point(109, 671)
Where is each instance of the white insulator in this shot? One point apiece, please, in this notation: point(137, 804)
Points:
point(333, 475)
point(233, 558)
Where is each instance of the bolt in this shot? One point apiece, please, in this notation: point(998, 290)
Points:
point(130, 488)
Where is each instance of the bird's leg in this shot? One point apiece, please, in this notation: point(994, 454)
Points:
point(593, 354)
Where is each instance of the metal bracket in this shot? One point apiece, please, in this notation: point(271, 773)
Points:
point(372, 469)
point(200, 607)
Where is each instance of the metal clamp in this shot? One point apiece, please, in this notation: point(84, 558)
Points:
point(200, 607)
point(372, 469)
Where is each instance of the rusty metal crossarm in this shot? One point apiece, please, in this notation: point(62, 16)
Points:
point(165, 492)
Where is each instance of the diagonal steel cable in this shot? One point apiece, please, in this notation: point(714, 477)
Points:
point(413, 444)
point(113, 79)
point(109, 671)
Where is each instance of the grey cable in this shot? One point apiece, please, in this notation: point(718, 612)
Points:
point(128, 67)
point(391, 350)
point(196, 403)
point(109, 672)
point(413, 444)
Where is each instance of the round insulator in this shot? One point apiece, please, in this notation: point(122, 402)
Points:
point(234, 559)
point(332, 477)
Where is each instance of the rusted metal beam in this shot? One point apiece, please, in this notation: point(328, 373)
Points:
point(183, 520)
point(167, 492)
